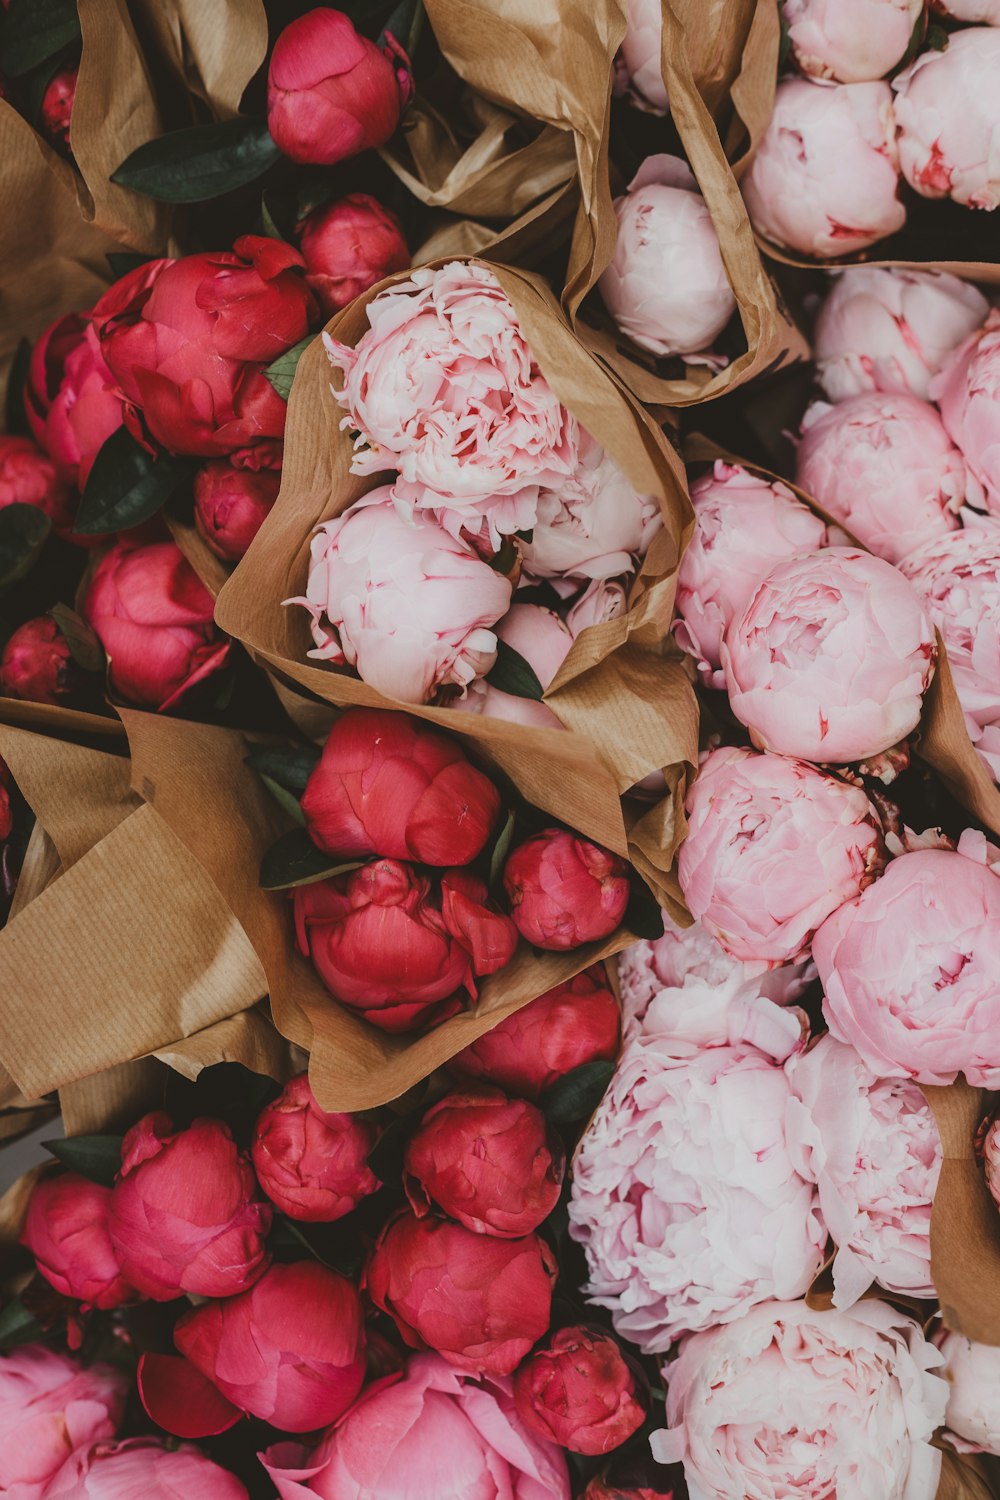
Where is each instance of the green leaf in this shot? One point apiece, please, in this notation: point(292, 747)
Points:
point(123, 261)
point(24, 530)
point(127, 485)
point(84, 647)
point(501, 849)
point(202, 162)
point(281, 372)
point(285, 799)
point(937, 39)
point(18, 1325)
point(504, 559)
point(97, 1157)
point(291, 766)
point(268, 224)
point(405, 24)
point(512, 674)
point(15, 417)
point(35, 30)
point(294, 860)
point(643, 916)
point(576, 1095)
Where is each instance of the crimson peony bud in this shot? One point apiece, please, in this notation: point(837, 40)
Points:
point(66, 1230)
point(37, 664)
point(488, 1161)
point(28, 477)
point(564, 890)
point(602, 1487)
point(331, 92)
point(481, 1302)
point(400, 949)
point(348, 246)
point(184, 1213)
point(6, 810)
point(577, 1022)
point(231, 505)
point(312, 1164)
point(57, 108)
point(71, 398)
point(389, 784)
point(581, 1392)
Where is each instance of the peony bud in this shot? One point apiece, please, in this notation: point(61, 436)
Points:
point(37, 664)
point(947, 119)
point(66, 1230)
point(313, 1165)
point(57, 108)
point(602, 1487)
point(986, 11)
point(231, 505)
point(27, 477)
point(331, 92)
point(564, 890)
point(143, 1466)
point(579, 1390)
point(389, 784)
point(641, 54)
point(50, 1407)
point(988, 1145)
point(543, 640)
point(71, 398)
point(487, 1161)
point(184, 1214)
point(348, 246)
point(853, 41)
point(479, 1301)
point(967, 389)
point(604, 599)
point(973, 1374)
point(6, 810)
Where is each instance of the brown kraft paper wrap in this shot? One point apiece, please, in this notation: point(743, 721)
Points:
point(211, 50)
point(964, 1476)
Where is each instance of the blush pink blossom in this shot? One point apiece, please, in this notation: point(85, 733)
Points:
point(831, 657)
point(986, 11)
point(948, 119)
point(825, 178)
point(602, 600)
point(641, 53)
point(973, 1374)
point(853, 41)
point(50, 1406)
point(143, 1466)
point(543, 640)
point(967, 390)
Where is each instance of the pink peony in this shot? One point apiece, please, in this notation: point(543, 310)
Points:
point(987, 11)
point(72, 400)
point(541, 638)
point(29, 477)
point(973, 1375)
point(581, 1390)
point(872, 1148)
point(909, 968)
point(348, 246)
point(411, 608)
point(685, 1196)
point(825, 178)
point(948, 119)
point(602, 600)
point(143, 1466)
point(853, 41)
point(231, 505)
point(967, 390)
point(564, 890)
point(312, 1164)
point(744, 527)
point(641, 53)
point(831, 657)
point(66, 1230)
point(666, 285)
point(884, 467)
point(50, 1406)
point(815, 1404)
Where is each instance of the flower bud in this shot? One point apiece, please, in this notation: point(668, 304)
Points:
point(641, 54)
point(543, 640)
point(28, 477)
point(986, 11)
point(348, 246)
point(988, 1146)
point(57, 108)
point(853, 41)
point(37, 664)
point(967, 390)
point(312, 1164)
point(231, 505)
point(973, 1374)
point(71, 398)
point(947, 118)
point(602, 1487)
point(579, 1390)
point(604, 599)
point(564, 890)
point(51, 1406)
point(143, 1466)
point(66, 1230)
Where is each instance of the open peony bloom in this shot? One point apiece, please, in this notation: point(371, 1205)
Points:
point(231, 505)
point(909, 968)
point(564, 890)
point(853, 41)
point(948, 119)
point(480, 1301)
point(66, 1230)
point(967, 390)
point(890, 328)
point(444, 388)
point(37, 664)
point(884, 467)
point(436, 1434)
point(872, 1148)
point(143, 1466)
point(816, 1404)
point(581, 1391)
point(973, 1375)
point(744, 526)
point(825, 178)
point(348, 246)
point(685, 1196)
point(641, 53)
point(773, 847)
point(958, 579)
point(50, 1406)
point(406, 604)
point(666, 285)
point(831, 657)
point(71, 398)
point(986, 11)
point(29, 477)
point(312, 1164)
point(543, 640)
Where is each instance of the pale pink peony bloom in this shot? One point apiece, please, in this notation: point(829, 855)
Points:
point(973, 1375)
point(145, 1467)
point(666, 285)
point(773, 847)
point(883, 467)
point(744, 527)
point(986, 11)
point(815, 1404)
point(891, 329)
point(604, 599)
point(641, 54)
point(831, 658)
point(410, 607)
point(853, 41)
point(50, 1405)
point(909, 968)
point(825, 178)
point(872, 1148)
point(543, 640)
point(948, 119)
point(685, 1197)
point(967, 390)
point(958, 579)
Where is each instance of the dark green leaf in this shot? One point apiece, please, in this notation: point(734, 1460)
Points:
point(281, 372)
point(785, 45)
point(643, 916)
point(84, 647)
point(512, 674)
point(267, 221)
point(202, 162)
point(576, 1094)
point(504, 559)
point(500, 850)
point(127, 485)
point(286, 800)
point(294, 860)
point(32, 86)
point(913, 46)
point(15, 418)
point(18, 1325)
point(123, 261)
point(24, 530)
point(937, 39)
point(35, 30)
point(97, 1157)
point(290, 767)
point(402, 21)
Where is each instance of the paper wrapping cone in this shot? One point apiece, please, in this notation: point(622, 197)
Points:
point(211, 51)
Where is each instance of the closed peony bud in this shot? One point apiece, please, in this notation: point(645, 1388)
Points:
point(143, 1466)
point(603, 1487)
point(348, 246)
point(231, 505)
point(51, 1406)
point(579, 1390)
point(986, 11)
point(71, 398)
point(564, 890)
point(604, 599)
point(967, 390)
point(641, 53)
point(543, 640)
point(831, 658)
point(479, 1301)
point(154, 618)
point(973, 1374)
point(487, 1161)
point(312, 1164)
point(853, 41)
point(389, 784)
point(825, 178)
point(185, 1216)
point(28, 477)
point(66, 1230)
point(577, 1022)
point(666, 286)
point(57, 107)
point(37, 664)
point(6, 810)
point(401, 949)
point(948, 119)
point(988, 1145)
